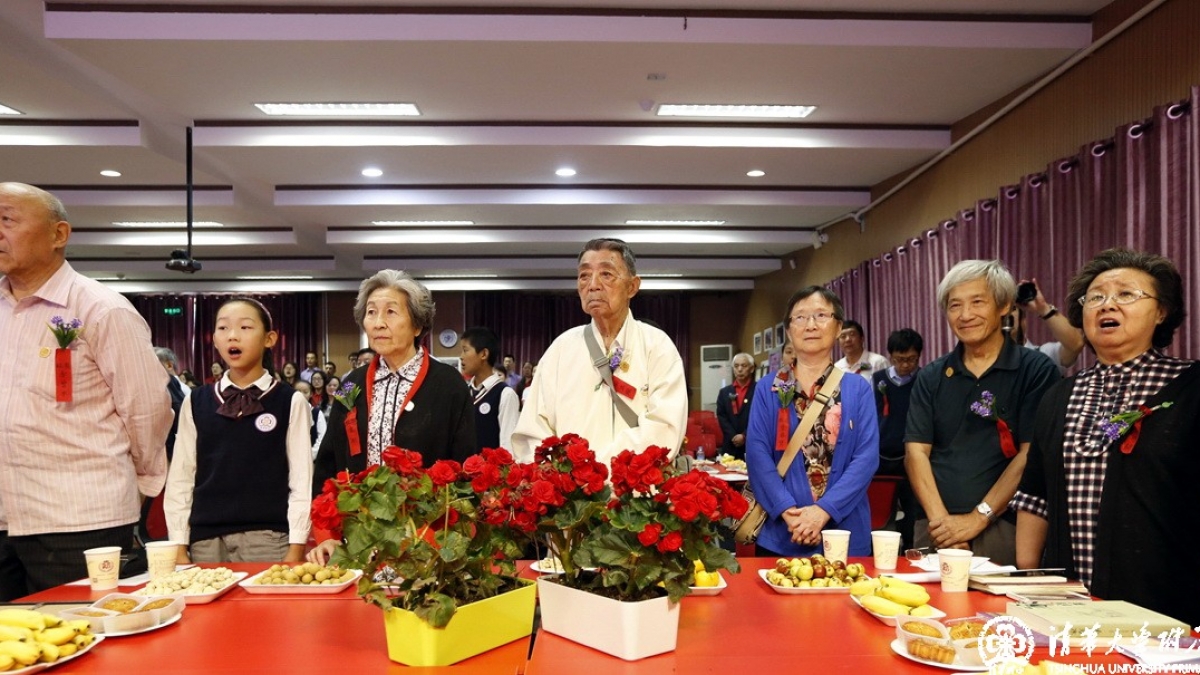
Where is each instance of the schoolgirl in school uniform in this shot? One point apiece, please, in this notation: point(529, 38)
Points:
point(239, 485)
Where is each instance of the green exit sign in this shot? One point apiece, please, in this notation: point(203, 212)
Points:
point(173, 311)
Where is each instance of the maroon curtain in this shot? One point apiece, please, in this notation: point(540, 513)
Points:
point(184, 324)
point(527, 323)
point(1139, 189)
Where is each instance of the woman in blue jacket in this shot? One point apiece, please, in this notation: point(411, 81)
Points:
point(826, 485)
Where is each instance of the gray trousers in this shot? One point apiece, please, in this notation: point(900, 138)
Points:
point(252, 546)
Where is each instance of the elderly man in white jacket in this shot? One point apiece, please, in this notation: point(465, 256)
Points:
point(623, 391)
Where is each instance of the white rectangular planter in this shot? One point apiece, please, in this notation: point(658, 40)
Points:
point(629, 630)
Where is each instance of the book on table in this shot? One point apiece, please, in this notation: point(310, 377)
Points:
point(1103, 616)
point(1027, 582)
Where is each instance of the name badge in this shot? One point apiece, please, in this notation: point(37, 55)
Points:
point(485, 408)
point(265, 422)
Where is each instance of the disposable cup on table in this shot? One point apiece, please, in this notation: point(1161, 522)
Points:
point(161, 557)
point(836, 544)
point(955, 564)
point(886, 546)
point(104, 566)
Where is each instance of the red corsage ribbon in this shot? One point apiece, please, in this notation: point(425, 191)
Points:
point(63, 387)
point(624, 388)
point(1007, 445)
point(1135, 430)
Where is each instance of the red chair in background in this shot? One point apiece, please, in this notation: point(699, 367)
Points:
point(881, 495)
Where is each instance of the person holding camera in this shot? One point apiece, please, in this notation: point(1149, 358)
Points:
point(1068, 340)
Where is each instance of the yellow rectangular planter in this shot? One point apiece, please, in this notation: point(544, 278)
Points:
point(473, 630)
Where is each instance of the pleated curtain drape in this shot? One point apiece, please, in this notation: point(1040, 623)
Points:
point(527, 323)
point(1139, 189)
point(299, 318)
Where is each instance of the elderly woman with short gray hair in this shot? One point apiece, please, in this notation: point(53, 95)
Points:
point(404, 397)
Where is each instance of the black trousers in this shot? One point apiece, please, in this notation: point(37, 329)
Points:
point(41, 561)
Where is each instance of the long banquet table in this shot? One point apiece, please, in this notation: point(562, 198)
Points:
point(747, 629)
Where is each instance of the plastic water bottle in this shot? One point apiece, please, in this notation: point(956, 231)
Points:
point(700, 454)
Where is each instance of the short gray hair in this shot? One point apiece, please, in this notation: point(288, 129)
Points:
point(610, 244)
point(420, 300)
point(54, 205)
point(742, 355)
point(999, 281)
point(166, 356)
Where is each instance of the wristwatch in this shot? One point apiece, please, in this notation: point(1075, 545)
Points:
point(986, 510)
point(1050, 312)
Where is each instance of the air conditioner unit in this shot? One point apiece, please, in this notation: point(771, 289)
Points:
point(716, 372)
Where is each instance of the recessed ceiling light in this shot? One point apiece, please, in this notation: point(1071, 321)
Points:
point(565, 172)
point(173, 223)
point(5, 110)
point(341, 109)
point(461, 276)
point(674, 222)
point(111, 173)
point(756, 173)
point(712, 110)
point(418, 223)
point(372, 172)
point(297, 277)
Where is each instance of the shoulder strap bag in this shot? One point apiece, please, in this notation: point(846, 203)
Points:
point(600, 361)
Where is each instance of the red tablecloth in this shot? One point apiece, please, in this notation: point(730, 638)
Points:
point(748, 629)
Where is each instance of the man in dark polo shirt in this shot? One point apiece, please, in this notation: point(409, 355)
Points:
point(970, 418)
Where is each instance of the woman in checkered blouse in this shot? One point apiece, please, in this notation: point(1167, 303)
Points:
point(1110, 488)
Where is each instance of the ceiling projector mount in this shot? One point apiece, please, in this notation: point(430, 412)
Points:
point(181, 259)
point(182, 262)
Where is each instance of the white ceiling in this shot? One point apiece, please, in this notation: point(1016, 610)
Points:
point(509, 91)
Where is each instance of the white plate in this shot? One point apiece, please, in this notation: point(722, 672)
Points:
point(710, 590)
point(296, 589)
point(42, 666)
point(930, 563)
point(891, 620)
point(801, 591)
point(147, 629)
point(205, 598)
point(898, 647)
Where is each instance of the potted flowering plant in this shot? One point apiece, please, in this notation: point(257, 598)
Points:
point(427, 555)
point(633, 541)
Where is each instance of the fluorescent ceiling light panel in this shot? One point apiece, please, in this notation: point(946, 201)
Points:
point(161, 224)
point(341, 109)
point(674, 222)
point(713, 110)
point(5, 110)
point(420, 223)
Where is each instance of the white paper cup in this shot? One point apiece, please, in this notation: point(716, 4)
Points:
point(886, 546)
point(161, 557)
point(955, 564)
point(104, 566)
point(836, 544)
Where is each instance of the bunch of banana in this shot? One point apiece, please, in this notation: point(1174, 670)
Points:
point(892, 597)
point(28, 637)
